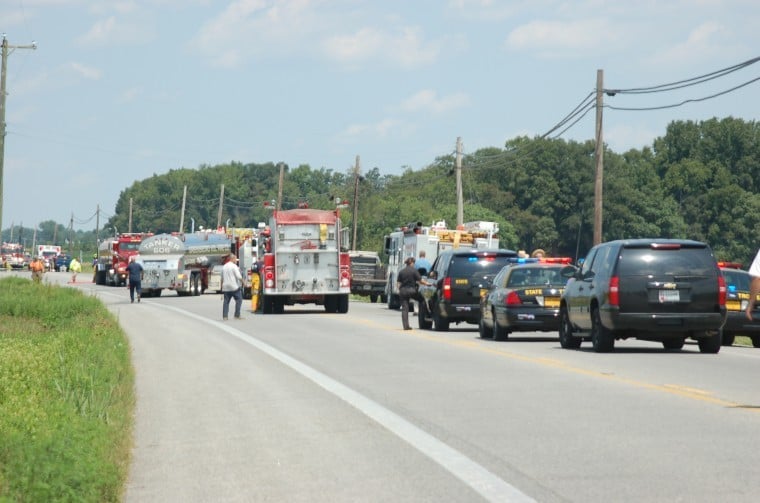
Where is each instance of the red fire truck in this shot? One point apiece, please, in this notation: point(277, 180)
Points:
point(305, 261)
point(113, 257)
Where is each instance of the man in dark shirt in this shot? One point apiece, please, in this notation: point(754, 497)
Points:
point(407, 279)
point(135, 271)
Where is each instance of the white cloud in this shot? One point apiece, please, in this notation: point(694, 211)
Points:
point(406, 47)
point(554, 38)
point(705, 41)
point(113, 30)
point(87, 72)
point(381, 128)
point(428, 100)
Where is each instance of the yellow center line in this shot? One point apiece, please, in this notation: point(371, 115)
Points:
point(671, 389)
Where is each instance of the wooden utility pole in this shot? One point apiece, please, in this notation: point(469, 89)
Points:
point(71, 237)
point(356, 201)
point(130, 216)
point(97, 226)
point(279, 189)
point(219, 211)
point(182, 213)
point(6, 50)
point(460, 203)
point(599, 159)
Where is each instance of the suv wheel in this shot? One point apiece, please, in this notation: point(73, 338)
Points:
point(422, 317)
point(441, 325)
point(727, 338)
point(499, 333)
point(566, 338)
point(601, 338)
point(710, 342)
point(756, 341)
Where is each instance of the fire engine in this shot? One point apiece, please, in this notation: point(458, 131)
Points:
point(13, 255)
point(305, 261)
point(181, 262)
point(408, 241)
point(113, 257)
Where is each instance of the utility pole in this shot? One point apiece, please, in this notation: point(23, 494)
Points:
point(599, 159)
point(6, 50)
point(356, 201)
point(460, 204)
point(182, 214)
point(279, 190)
point(219, 212)
point(97, 227)
point(129, 229)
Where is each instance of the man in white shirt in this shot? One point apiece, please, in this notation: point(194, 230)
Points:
point(232, 287)
point(754, 286)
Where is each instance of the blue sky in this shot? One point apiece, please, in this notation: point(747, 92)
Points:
point(117, 91)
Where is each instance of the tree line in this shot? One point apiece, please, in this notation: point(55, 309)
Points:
point(701, 180)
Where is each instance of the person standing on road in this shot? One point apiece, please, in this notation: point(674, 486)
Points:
point(423, 263)
point(37, 266)
point(135, 274)
point(75, 267)
point(232, 287)
point(408, 279)
point(754, 285)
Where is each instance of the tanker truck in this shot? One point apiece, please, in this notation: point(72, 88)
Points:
point(181, 262)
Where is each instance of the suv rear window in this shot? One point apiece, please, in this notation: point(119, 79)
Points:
point(685, 261)
point(476, 266)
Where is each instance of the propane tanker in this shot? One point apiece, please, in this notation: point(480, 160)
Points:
point(181, 262)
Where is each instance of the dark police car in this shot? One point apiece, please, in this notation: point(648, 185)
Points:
point(523, 297)
point(461, 277)
point(737, 298)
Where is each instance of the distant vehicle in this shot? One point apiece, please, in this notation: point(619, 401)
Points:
point(523, 297)
point(367, 275)
point(13, 255)
point(62, 262)
point(461, 277)
point(661, 290)
point(737, 298)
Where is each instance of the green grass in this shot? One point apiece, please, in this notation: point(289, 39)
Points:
point(66, 396)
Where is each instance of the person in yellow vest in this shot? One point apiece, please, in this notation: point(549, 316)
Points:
point(75, 267)
point(37, 266)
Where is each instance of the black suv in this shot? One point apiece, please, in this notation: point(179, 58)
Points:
point(652, 289)
point(461, 277)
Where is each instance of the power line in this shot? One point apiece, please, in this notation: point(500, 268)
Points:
point(684, 83)
point(691, 100)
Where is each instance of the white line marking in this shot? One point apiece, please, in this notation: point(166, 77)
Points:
point(482, 481)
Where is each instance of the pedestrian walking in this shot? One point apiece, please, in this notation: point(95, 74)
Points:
point(75, 267)
point(37, 266)
point(232, 287)
point(134, 275)
point(754, 286)
point(408, 280)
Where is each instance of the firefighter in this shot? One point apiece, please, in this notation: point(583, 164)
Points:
point(37, 266)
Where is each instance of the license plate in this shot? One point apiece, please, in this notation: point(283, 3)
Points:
point(733, 305)
point(367, 287)
point(551, 301)
point(670, 296)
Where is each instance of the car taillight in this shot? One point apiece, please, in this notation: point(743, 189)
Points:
point(513, 299)
point(721, 290)
point(614, 299)
point(446, 288)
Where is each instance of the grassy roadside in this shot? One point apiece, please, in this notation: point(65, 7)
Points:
point(66, 396)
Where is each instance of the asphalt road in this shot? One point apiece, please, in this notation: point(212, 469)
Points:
point(315, 407)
